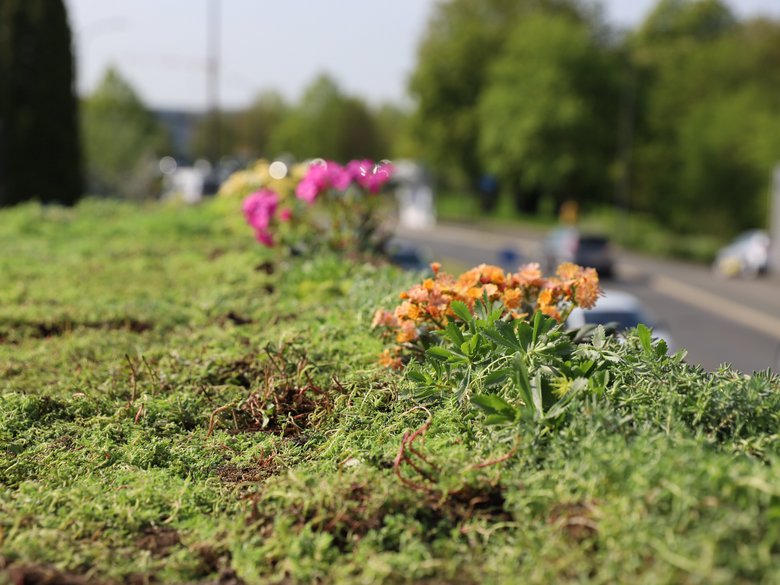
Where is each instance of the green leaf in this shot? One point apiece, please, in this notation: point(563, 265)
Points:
point(497, 377)
point(418, 376)
point(461, 310)
point(537, 324)
point(491, 404)
point(599, 337)
point(498, 419)
point(661, 348)
point(520, 378)
point(454, 334)
point(525, 334)
point(643, 332)
point(442, 354)
point(536, 395)
point(507, 332)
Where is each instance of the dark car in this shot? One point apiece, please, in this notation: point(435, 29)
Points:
point(570, 245)
point(406, 256)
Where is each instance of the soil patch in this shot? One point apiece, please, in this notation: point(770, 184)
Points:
point(158, 540)
point(15, 331)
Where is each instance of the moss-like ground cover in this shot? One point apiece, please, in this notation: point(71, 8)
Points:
point(180, 406)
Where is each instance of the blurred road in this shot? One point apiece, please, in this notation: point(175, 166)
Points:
point(717, 321)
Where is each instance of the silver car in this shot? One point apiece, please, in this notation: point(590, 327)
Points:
point(622, 309)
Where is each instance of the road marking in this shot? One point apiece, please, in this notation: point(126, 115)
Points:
point(719, 306)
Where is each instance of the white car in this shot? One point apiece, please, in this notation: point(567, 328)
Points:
point(621, 308)
point(747, 256)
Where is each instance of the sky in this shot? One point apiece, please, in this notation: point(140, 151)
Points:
point(369, 47)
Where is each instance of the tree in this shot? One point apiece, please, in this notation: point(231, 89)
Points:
point(708, 118)
point(463, 38)
point(122, 139)
point(39, 131)
point(258, 123)
point(328, 124)
point(547, 113)
point(395, 130)
point(672, 20)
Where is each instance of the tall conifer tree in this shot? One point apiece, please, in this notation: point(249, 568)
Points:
point(39, 130)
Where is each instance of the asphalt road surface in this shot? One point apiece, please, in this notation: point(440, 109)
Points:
point(717, 321)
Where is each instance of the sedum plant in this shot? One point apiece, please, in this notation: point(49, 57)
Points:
point(495, 341)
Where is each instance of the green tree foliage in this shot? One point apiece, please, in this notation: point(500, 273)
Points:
point(463, 40)
point(256, 125)
point(329, 124)
point(122, 140)
point(672, 20)
point(708, 119)
point(546, 114)
point(395, 129)
point(39, 134)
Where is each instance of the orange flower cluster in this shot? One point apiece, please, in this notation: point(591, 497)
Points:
point(427, 306)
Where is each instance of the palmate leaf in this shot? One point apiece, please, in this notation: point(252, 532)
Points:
point(453, 333)
point(503, 335)
point(542, 326)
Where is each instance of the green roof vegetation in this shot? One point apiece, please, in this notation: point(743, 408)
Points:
point(179, 404)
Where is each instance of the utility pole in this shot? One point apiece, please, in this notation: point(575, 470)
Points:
point(212, 81)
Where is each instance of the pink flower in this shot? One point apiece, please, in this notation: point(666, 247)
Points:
point(369, 176)
point(285, 214)
point(359, 170)
point(264, 237)
point(259, 208)
point(308, 190)
point(321, 176)
point(339, 177)
point(381, 175)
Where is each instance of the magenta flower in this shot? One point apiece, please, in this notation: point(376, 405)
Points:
point(359, 170)
point(307, 190)
point(259, 209)
point(264, 237)
point(320, 177)
point(369, 176)
point(314, 183)
point(339, 177)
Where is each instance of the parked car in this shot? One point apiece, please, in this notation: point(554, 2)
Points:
point(747, 256)
point(621, 309)
point(569, 245)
